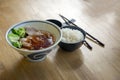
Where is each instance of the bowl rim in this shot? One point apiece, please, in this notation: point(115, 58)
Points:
point(55, 21)
point(33, 51)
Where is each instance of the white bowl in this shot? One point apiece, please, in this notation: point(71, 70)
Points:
point(37, 55)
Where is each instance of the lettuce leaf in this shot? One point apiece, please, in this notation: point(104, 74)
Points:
point(17, 44)
point(20, 31)
point(13, 37)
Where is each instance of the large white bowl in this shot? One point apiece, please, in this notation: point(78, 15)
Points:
point(37, 55)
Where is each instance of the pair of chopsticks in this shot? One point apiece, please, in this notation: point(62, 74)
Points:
point(68, 22)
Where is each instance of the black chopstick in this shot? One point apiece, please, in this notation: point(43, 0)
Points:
point(67, 21)
point(87, 45)
point(96, 40)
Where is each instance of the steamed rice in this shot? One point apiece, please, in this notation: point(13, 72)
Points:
point(71, 35)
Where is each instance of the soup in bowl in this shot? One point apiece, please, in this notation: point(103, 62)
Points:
point(34, 39)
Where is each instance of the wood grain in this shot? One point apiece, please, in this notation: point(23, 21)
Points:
point(100, 18)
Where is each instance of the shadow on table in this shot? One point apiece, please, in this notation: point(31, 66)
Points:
point(25, 70)
point(68, 60)
point(45, 70)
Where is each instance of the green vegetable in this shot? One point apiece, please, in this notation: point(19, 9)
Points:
point(14, 31)
point(20, 31)
point(13, 37)
point(17, 44)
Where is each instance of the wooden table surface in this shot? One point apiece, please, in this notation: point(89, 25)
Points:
point(101, 18)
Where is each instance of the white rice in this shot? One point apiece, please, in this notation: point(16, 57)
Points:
point(71, 35)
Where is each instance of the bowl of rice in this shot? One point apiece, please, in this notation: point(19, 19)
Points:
point(72, 38)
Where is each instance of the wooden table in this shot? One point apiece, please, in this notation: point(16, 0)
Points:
point(101, 18)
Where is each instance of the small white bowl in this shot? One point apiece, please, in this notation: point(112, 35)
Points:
point(37, 55)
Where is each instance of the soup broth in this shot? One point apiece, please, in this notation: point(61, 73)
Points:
point(39, 39)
